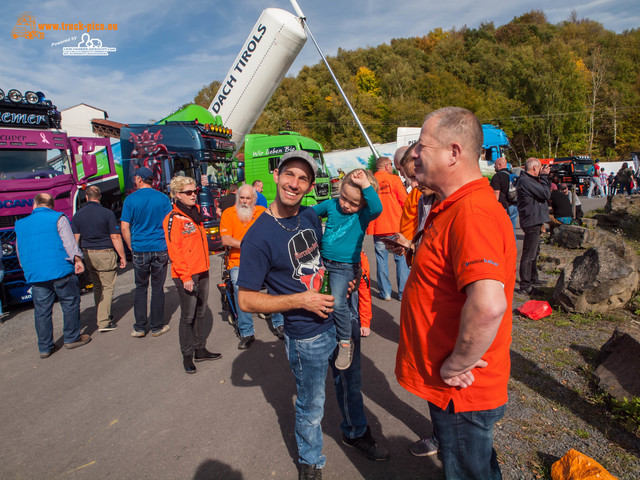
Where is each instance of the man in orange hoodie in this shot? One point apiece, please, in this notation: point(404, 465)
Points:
point(392, 195)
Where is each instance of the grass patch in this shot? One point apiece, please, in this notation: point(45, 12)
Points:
point(582, 433)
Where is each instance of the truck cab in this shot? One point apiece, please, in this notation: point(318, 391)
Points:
point(36, 156)
point(262, 154)
point(201, 151)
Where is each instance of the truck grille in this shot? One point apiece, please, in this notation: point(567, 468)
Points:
point(8, 242)
point(10, 220)
point(322, 189)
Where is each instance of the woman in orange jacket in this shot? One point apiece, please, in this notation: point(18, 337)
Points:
point(189, 252)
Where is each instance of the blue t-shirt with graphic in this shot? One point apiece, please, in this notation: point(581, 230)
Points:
point(286, 262)
point(145, 210)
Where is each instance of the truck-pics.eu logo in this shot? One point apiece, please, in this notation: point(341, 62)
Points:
point(26, 27)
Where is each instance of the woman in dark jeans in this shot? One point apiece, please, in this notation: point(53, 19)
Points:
point(189, 252)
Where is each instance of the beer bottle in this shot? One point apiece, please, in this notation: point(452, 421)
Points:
point(326, 287)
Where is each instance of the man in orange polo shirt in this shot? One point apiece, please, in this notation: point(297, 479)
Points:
point(392, 196)
point(455, 326)
point(234, 223)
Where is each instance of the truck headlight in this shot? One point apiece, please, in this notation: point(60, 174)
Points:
point(31, 97)
point(15, 96)
point(7, 249)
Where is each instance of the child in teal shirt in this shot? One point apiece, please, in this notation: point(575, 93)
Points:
point(347, 219)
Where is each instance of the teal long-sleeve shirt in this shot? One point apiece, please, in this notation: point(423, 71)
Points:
point(343, 235)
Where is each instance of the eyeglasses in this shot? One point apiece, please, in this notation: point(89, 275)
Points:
point(189, 192)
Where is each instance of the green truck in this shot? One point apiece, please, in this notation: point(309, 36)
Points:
point(262, 154)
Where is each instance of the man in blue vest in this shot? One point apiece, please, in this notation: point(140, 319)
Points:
point(51, 259)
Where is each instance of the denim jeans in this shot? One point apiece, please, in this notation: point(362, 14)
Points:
point(528, 259)
point(309, 360)
point(382, 269)
point(67, 290)
point(145, 265)
point(245, 320)
point(340, 274)
point(348, 383)
point(512, 210)
point(193, 306)
point(466, 442)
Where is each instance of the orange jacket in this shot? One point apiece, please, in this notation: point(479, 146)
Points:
point(392, 196)
point(187, 245)
point(364, 292)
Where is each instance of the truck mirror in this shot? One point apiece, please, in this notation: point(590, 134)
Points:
point(82, 149)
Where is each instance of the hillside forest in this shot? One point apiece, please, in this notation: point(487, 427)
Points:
point(556, 90)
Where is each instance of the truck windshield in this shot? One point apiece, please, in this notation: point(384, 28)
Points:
point(582, 167)
point(317, 156)
point(20, 164)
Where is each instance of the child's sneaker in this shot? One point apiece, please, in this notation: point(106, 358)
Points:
point(345, 354)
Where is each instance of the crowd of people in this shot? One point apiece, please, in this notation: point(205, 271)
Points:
point(450, 231)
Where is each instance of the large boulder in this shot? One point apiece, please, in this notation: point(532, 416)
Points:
point(602, 279)
point(618, 373)
point(574, 236)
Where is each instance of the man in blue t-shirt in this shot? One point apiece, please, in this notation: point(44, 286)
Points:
point(282, 251)
point(258, 186)
point(141, 225)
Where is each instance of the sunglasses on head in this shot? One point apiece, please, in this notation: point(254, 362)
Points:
point(189, 192)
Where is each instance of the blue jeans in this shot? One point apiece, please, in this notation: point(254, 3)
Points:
point(245, 320)
point(340, 274)
point(309, 360)
point(466, 442)
point(512, 210)
point(348, 383)
point(149, 265)
point(382, 269)
point(67, 290)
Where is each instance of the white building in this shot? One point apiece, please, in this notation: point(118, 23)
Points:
point(76, 121)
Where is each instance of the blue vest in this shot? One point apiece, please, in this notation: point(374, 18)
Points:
point(41, 251)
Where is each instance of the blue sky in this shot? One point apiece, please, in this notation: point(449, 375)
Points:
point(166, 50)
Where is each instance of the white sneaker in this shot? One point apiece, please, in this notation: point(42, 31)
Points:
point(164, 329)
point(345, 355)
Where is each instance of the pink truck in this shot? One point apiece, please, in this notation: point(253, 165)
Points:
point(36, 156)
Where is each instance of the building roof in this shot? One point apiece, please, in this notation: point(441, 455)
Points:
point(86, 105)
point(106, 128)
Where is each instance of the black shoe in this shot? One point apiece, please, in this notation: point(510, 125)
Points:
point(245, 342)
point(524, 291)
point(110, 326)
point(187, 361)
point(280, 332)
point(368, 446)
point(540, 283)
point(309, 472)
point(203, 354)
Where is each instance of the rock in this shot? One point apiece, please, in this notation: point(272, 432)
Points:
point(602, 279)
point(589, 223)
point(618, 358)
point(574, 236)
point(623, 205)
point(608, 221)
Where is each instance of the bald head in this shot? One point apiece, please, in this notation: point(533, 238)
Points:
point(397, 157)
point(531, 164)
point(500, 164)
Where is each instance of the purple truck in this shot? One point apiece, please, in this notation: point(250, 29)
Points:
point(36, 156)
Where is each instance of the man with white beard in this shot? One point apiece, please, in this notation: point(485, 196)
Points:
point(234, 224)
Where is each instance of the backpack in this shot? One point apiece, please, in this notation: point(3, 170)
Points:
point(512, 193)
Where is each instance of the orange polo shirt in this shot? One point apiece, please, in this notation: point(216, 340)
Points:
point(468, 237)
point(231, 225)
point(409, 217)
point(392, 196)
